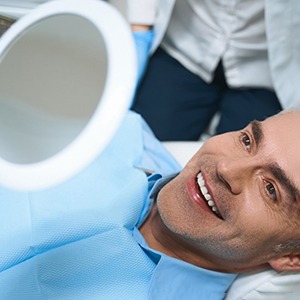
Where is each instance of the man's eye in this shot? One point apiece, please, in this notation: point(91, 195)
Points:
point(246, 141)
point(271, 191)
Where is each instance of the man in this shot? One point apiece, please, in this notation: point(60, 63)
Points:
point(235, 206)
point(114, 233)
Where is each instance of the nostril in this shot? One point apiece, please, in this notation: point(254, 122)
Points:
point(232, 173)
point(225, 182)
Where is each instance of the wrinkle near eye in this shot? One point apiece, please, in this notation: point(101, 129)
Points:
point(285, 181)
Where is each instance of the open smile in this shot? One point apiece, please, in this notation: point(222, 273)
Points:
point(207, 196)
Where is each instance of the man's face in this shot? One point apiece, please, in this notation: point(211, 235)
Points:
point(250, 180)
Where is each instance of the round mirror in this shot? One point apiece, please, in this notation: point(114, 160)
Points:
point(64, 89)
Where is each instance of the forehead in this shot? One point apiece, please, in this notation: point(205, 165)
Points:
point(284, 131)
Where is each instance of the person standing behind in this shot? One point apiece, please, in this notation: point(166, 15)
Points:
point(238, 58)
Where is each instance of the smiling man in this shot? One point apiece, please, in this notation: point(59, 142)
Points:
point(118, 231)
point(236, 205)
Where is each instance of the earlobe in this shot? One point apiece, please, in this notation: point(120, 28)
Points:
point(289, 262)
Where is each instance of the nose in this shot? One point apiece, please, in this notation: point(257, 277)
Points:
point(235, 173)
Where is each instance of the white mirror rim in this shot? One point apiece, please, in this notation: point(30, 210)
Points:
point(115, 99)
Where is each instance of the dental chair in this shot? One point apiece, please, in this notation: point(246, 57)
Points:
point(62, 28)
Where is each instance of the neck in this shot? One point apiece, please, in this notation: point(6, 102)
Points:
point(156, 235)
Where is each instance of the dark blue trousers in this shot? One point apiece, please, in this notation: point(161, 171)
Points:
point(179, 105)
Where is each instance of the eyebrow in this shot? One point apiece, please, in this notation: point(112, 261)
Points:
point(257, 132)
point(274, 168)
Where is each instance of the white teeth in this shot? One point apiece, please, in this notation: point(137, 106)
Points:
point(200, 179)
point(203, 190)
point(211, 203)
point(206, 195)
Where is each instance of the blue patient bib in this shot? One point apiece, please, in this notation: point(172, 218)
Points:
point(74, 241)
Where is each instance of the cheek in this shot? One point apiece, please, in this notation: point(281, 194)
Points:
point(251, 239)
point(216, 143)
point(257, 223)
point(212, 150)
point(168, 201)
point(213, 145)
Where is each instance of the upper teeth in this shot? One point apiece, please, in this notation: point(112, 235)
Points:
point(205, 194)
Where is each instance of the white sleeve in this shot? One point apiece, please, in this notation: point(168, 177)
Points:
point(141, 11)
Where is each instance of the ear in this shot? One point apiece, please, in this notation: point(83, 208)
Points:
point(290, 262)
